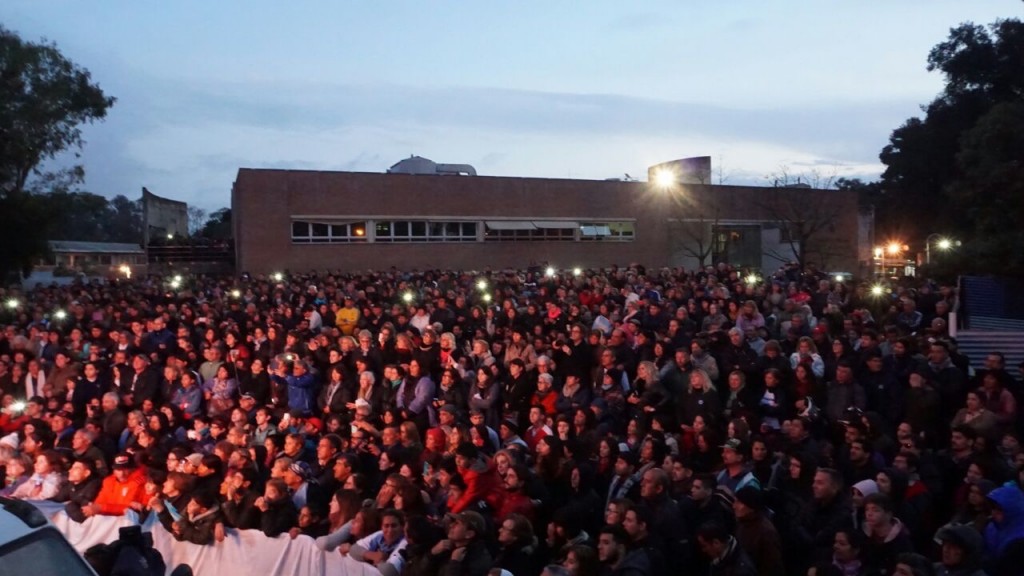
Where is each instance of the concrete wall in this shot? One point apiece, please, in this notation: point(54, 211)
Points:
point(264, 203)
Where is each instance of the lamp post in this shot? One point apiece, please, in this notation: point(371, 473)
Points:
point(942, 244)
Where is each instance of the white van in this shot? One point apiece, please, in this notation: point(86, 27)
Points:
point(29, 544)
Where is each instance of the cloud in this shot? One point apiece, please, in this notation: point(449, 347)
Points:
point(188, 141)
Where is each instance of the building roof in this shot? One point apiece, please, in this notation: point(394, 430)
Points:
point(95, 247)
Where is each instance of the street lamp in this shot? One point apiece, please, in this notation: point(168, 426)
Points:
point(942, 244)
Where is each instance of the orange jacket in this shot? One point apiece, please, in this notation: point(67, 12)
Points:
point(115, 497)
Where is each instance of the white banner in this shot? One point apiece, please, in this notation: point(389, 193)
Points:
point(241, 552)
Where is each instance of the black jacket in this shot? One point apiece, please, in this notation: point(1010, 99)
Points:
point(78, 495)
point(279, 517)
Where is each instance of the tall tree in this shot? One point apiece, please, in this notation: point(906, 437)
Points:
point(45, 100)
point(931, 178)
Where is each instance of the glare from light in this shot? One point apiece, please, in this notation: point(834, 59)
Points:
point(481, 284)
point(175, 283)
point(753, 279)
point(360, 232)
point(839, 278)
point(894, 248)
point(407, 297)
point(944, 244)
point(236, 293)
point(550, 271)
point(487, 297)
point(577, 271)
point(13, 303)
point(18, 406)
point(177, 278)
point(278, 276)
point(877, 290)
point(60, 314)
point(126, 270)
point(170, 236)
point(664, 178)
point(879, 252)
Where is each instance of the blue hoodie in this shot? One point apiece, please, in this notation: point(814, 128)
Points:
point(1010, 500)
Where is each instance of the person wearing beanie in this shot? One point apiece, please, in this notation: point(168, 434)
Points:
point(756, 534)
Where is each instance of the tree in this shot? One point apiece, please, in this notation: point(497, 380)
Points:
point(196, 220)
point(930, 161)
point(803, 219)
point(45, 99)
point(218, 226)
point(694, 232)
point(991, 188)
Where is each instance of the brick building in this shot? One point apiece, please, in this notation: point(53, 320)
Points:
point(303, 220)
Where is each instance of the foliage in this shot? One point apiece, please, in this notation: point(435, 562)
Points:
point(958, 159)
point(45, 99)
point(218, 226)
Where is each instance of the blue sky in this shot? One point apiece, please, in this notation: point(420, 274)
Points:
point(591, 89)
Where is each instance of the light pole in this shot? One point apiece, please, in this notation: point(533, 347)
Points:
point(942, 244)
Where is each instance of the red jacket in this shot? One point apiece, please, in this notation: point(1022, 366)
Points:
point(481, 484)
point(115, 497)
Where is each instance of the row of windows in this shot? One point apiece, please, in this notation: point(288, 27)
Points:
point(313, 232)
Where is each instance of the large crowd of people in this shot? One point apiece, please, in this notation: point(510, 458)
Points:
point(620, 421)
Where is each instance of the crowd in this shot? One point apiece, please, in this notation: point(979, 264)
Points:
point(619, 421)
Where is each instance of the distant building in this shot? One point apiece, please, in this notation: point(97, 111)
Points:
point(98, 256)
point(430, 218)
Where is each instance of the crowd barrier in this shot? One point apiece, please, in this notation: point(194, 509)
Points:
point(241, 552)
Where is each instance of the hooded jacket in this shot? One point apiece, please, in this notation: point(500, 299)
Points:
point(999, 535)
point(880, 555)
point(973, 546)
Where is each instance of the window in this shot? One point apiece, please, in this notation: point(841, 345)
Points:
point(305, 232)
point(424, 231)
point(607, 231)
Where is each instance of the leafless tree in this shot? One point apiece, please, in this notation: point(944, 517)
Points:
point(804, 220)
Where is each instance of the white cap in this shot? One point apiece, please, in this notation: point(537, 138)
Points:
point(11, 440)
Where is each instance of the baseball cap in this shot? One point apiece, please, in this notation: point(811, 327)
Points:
point(123, 462)
point(733, 444)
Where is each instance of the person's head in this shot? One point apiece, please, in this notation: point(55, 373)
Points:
point(637, 522)
point(515, 529)
point(654, 483)
point(878, 511)
point(615, 511)
point(392, 523)
point(612, 541)
point(827, 483)
point(847, 544)
point(466, 527)
point(81, 470)
point(713, 539)
point(909, 564)
point(275, 490)
point(703, 487)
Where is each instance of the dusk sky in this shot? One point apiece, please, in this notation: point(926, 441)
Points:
point(593, 89)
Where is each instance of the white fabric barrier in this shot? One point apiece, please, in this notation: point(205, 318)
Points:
point(241, 552)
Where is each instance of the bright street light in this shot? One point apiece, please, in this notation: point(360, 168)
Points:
point(894, 248)
point(942, 244)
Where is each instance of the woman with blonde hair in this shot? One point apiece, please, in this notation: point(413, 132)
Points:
point(807, 354)
point(700, 399)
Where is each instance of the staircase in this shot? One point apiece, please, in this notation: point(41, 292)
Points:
point(977, 344)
